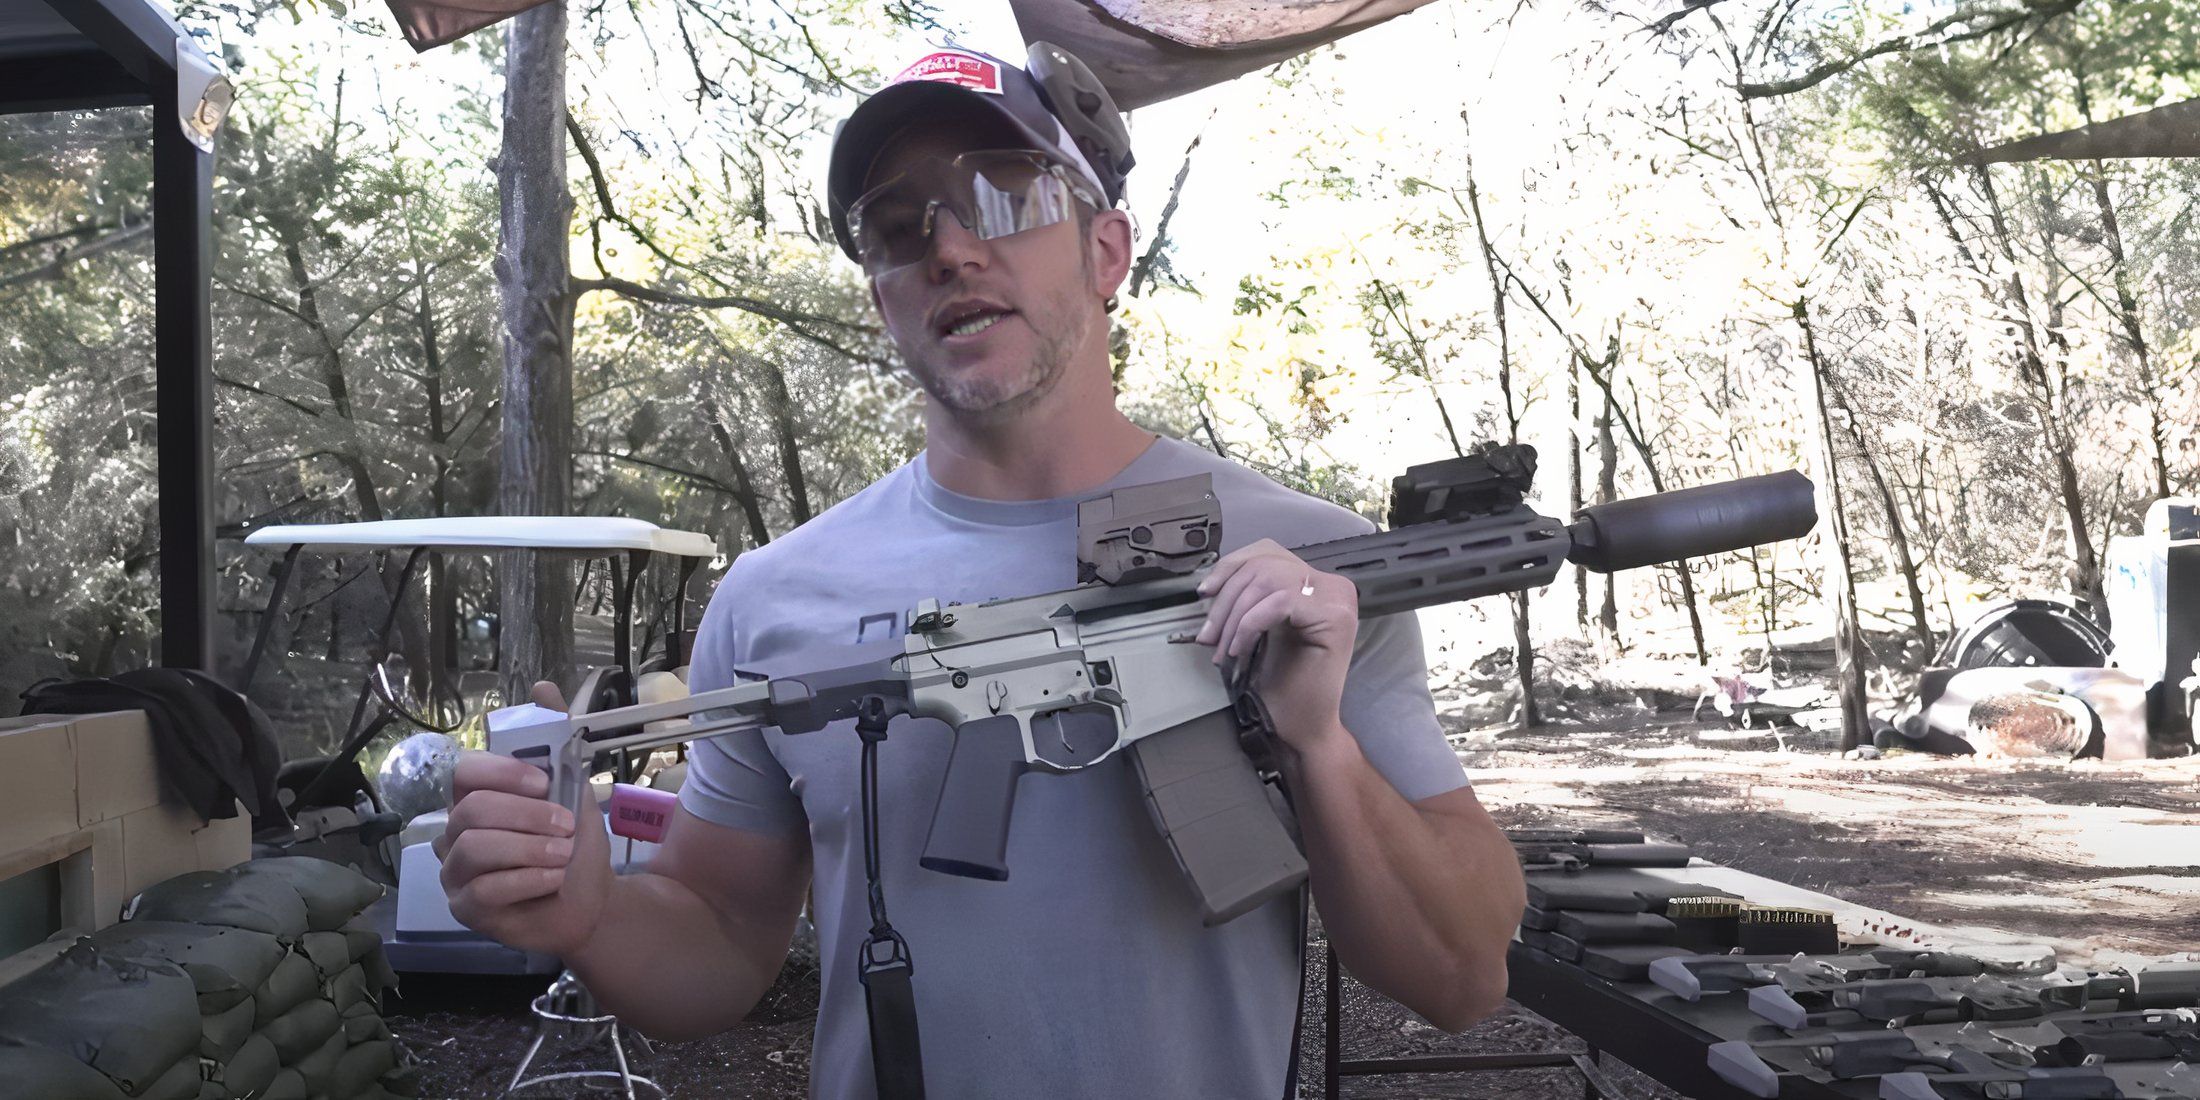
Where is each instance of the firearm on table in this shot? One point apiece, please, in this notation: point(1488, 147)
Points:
point(1063, 681)
point(2130, 1054)
point(1803, 998)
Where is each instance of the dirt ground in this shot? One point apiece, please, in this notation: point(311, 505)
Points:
point(2101, 861)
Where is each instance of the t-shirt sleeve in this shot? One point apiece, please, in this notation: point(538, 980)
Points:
point(1387, 707)
point(733, 779)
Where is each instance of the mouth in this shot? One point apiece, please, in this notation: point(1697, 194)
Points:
point(967, 321)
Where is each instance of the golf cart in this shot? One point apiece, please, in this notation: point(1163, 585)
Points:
point(340, 812)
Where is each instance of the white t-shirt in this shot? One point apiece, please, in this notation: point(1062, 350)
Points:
point(1087, 972)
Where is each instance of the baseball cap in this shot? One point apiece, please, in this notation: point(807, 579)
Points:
point(1058, 107)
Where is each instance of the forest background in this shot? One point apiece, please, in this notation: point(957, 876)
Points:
point(1664, 242)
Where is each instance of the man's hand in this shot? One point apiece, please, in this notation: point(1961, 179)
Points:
point(1309, 618)
point(514, 866)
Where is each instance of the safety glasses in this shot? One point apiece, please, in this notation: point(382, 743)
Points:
point(994, 194)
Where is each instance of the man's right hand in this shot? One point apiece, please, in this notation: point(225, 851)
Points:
point(514, 867)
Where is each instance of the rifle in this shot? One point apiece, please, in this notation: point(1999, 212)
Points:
point(1808, 997)
point(1063, 681)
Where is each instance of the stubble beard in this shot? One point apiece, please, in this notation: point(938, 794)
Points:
point(1061, 326)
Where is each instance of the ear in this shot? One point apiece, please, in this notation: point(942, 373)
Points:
point(1111, 251)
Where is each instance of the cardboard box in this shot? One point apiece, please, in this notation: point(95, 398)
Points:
point(157, 844)
point(92, 890)
point(225, 843)
point(37, 784)
point(169, 839)
point(117, 772)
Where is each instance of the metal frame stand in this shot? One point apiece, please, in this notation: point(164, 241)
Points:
point(1594, 1084)
point(568, 1014)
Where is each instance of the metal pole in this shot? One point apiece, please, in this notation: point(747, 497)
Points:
point(183, 358)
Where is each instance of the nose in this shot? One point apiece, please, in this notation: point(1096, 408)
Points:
point(954, 247)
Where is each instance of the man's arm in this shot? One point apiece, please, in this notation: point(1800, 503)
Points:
point(686, 948)
point(1419, 899)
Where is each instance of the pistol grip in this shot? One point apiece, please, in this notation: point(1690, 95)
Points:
point(1215, 814)
point(969, 834)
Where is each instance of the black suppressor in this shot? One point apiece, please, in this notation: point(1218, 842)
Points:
point(1690, 523)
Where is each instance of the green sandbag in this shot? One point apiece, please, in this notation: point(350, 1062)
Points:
point(380, 977)
point(225, 898)
point(287, 1085)
point(365, 1028)
point(127, 1020)
point(52, 1075)
point(333, 893)
point(327, 951)
point(349, 988)
point(225, 964)
point(361, 1067)
point(292, 984)
point(252, 1067)
point(360, 938)
point(221, 1033)
point(180, 1082)
point(319, 1066)
point(302, 1030)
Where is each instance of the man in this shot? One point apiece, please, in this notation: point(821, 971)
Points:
point(981, 201)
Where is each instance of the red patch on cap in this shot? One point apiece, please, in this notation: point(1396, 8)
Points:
point(966, 70)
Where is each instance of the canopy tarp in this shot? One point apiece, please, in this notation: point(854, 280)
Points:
point(1145, 51)
point(2172, 131)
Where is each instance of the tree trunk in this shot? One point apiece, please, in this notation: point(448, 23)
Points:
point(1607, 492)
point(1531, 715)
point(1834, 530)
point(2127, 308)
point(1573, 485)
point(1897, 533)
point(2047, 398)
point(790, 451)
point(535, 640)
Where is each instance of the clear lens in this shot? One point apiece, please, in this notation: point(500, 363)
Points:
point(992, 194)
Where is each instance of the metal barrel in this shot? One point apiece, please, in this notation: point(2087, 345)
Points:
point(1688, 523)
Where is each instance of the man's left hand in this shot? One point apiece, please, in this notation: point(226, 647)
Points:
point(1310, 619)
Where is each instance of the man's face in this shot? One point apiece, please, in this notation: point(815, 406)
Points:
point(987, 327)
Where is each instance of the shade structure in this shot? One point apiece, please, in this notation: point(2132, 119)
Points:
point(1145, 51)
point(2172, 131)
point(93, 54)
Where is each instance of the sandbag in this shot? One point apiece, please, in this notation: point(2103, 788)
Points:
point(361, 1067)
point(361, 939)
point(53, 1075)
point(225, 964)
point(292, 984)
point(221, 1033)
point(128, 1020)
point(333, 893)
point(327, 951)
point(287, 1085)
point(381, 976)
point(225, 898)
point(320, 1065)
point(252, 1067)
point(180, 1082)
point(302, 1030)
point(365, 1027)
point(349, 988)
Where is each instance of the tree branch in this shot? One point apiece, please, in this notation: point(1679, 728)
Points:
point(52, 269)
point(795, 321)
point(1994, 22)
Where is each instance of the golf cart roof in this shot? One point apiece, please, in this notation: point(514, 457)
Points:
point(582, 534)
